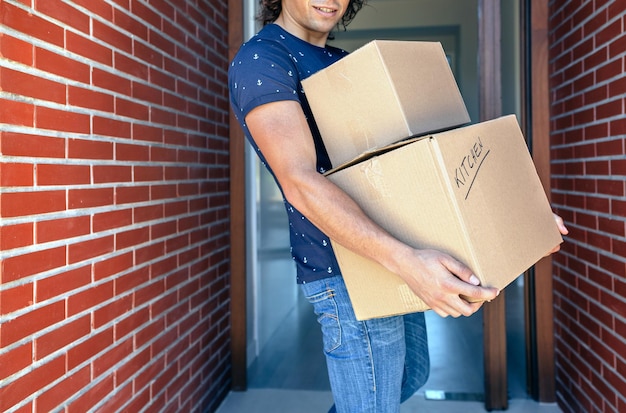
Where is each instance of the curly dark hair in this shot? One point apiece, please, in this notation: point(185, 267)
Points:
point(270, 9)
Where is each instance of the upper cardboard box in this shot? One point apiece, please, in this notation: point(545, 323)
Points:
point(382, 93)
point(472, 192)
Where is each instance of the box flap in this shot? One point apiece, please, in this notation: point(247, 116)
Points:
point(422, 76)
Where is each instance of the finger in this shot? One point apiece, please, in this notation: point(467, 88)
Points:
point(460, 270)
point(473, 294)
point(561, 225)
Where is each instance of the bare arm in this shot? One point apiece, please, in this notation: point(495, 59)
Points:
point(282, 133)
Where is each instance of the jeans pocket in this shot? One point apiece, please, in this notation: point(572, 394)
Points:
point(325, 307)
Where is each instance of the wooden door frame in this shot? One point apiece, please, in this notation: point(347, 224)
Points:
point(490, 103)
point(238, 252)
point(539, 312)
point(535, 122)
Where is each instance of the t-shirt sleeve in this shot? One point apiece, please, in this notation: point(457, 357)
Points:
point(262, 72)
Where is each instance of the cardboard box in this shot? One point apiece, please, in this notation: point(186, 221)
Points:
point(382, 93)
point(472, 192)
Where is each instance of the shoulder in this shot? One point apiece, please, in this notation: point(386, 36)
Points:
point(267, 45)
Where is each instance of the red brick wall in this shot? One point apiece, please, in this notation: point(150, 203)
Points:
point(114, 242)
point(588, 91)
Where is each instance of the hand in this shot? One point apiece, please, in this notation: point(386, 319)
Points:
point(562, 229)
point(447, 286)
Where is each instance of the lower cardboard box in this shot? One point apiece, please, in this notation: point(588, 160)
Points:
point(472, 192)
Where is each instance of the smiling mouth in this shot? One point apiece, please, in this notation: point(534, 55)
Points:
point(325, 9)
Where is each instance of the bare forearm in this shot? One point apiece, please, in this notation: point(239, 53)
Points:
point(339, 217)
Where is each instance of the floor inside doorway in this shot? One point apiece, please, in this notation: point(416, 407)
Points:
point(292, 358)
point(290, 374)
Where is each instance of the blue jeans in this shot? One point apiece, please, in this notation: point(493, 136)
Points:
point(373, 365)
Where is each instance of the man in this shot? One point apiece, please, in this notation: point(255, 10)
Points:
point(373, 365)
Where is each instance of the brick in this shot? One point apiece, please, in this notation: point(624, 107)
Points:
point(16, 50)
point(149, 253)
point(16, 174)
point(132, 152)
point(147, 54)
point(162, 117)
point(131, 281)
point(31, 322)
point(618, 166)
point(609, 33)
point(35, 26)
point(28, 384)
point(16, 359)
point(64, 13)
point(112, 219)
point(123, 393)
point(617, 87)
point(92, 297)
point(62, 337)
point(131, 109)
point(107, 360)
point(176, 208)
point(87, 98)
point(32, 203)
point(62, 120)
point(176, 173)
point(168, 48)
point(88, 48)
point(112, 311)
point(111, 127)
point(89, 149)
point(57, 395)
point(612, 225)
point(90, 249)
point(148, 213)
point(98, 391)
point(131, 66)
point(112, 173)
point(611, 187)
point(89, 198)
point(127, 22)
point(147, 294)
point(16, 298)
point(132, 194)
point(60, 284)
point(175, 138)
point(64, 228)
point(28, 85)
point(132, 322)
point(16, 113)
point(89, 348)
point(101, 9)
point(146, 14)
point(164, 266)
point(24, 265)
point(131, 238)
point(159, 154)
point(17, 144)
point(147, 133)
point(608, 110)
point(147, 93)
point(113, 265)
point(110, 81)
point(56, 174)
point(148, 173)
point(61, 65)
point(16, 236)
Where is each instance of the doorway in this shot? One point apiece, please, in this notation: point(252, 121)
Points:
point(274, 301)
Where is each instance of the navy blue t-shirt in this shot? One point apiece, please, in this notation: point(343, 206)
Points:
point(269, 68)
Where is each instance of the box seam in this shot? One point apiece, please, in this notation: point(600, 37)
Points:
point(443, 178)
